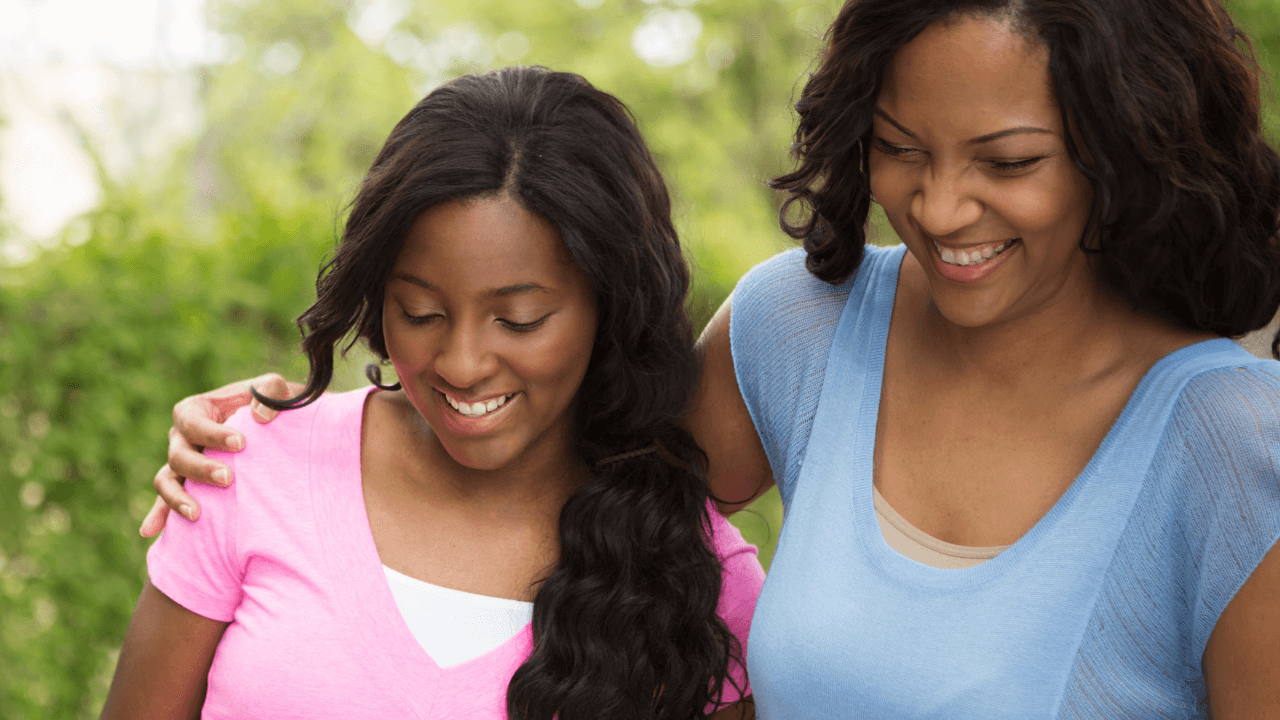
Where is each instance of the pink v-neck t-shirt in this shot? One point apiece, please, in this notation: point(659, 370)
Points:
point(286, 556)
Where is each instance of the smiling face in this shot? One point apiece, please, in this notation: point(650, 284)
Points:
point(969, 163)
point(490, 325)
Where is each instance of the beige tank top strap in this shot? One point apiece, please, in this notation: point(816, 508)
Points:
point(918, 545)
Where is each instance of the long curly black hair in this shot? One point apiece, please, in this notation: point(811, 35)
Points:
point(1163, 98)
point(625, 624)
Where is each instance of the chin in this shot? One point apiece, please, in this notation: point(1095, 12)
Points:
point(480, 456)
point(973, 311)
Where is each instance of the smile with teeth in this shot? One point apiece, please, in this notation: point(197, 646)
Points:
point(973, 255)
point(477, 409)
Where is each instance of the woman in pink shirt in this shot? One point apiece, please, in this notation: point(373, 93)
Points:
point(518, 527)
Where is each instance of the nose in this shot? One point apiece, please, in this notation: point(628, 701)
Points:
point(945, 203)
point(465, 357)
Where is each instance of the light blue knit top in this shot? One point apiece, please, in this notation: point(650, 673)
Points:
point(1101, 610)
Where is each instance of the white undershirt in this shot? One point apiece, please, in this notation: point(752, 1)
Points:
point(455, 626)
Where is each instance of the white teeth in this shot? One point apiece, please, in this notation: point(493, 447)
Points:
point(479, 408)
point(965, 258)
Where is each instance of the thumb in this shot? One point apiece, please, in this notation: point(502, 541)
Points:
point(270, 385)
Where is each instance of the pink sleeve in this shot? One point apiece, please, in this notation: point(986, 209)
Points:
point(743, 579)
point(195, 563)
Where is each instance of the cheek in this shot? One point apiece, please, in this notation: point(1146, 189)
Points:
point(884, 186)
point(555, 363)
point(397, 350)
point(1054, 209)
point(389, 337)
point(408, 352)
point(1055, 201)
point(407, 365)
point(891, 188)
point(553, 367)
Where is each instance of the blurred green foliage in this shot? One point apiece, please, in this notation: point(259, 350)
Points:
point(190, 272)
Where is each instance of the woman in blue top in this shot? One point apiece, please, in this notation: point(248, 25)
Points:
point(1025, 473)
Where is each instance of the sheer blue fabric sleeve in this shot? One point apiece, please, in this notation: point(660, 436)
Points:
point(1232, 433)
point(780, 330)
point(1209, 512)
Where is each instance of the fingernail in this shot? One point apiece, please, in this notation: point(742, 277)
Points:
point(188, 512)
point(235, 443)
point(222, 477)
point(262, 412)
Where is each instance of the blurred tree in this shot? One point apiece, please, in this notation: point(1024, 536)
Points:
point(191, 272)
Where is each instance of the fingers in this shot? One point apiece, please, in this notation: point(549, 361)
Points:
point(156, 517)
point(198, 429)
point(273, 386)
point(169, 486)
point(199, 422)
point(186, 461)
point(199, 418)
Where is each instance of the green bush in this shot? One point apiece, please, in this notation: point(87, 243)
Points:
point(97, 342)
point(190, 274)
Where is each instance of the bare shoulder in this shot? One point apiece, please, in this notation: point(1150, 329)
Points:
point(384, 430)
point(386, 406)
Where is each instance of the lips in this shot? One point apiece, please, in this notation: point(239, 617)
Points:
point(973, 263)
point(964, 257)
point(459, 416)
point(479, 408)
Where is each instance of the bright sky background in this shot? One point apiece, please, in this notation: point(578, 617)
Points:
point(120, 71)
point(112, 66)
point(131, 33)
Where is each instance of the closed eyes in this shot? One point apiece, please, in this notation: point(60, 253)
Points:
point(898, 151)
point(508, 324)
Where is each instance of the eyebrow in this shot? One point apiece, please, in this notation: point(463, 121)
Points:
point(974, 141)
point(503, 291)
point(517, 289)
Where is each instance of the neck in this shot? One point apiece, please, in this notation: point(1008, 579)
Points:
point(542, 477)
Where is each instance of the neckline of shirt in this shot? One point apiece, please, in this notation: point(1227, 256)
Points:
point(927, 541)
point(456, 595)
point(876, 287)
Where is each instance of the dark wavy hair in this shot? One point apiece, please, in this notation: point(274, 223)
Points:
point(1163, 98)
point(625, 624)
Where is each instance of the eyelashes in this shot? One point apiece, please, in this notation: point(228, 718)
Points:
point(523, 327)
point(897, 151)
point(417, 319)
point(891, 150)
point(508, 324)
point(1015, 164)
